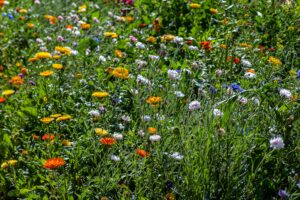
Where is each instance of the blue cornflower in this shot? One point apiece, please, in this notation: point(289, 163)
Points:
point(96, 39)
point(236, 87)
point(10, 16)
point(213, 89)
point(298, 73)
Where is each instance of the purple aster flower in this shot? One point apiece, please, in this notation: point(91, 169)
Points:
point(282, 194)
point(236, 87)
point(32, 82)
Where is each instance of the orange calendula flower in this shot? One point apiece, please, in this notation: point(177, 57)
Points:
point(151, 130)
point(119, 53)
point(154, 100)
point(54, 163)
point(100, 94)
point(47, 120)
point(46, 73)
point(2, 99)
point(251, 71)
point(195, 5)
point(57, 66)
point(16, 80)
point(206, 45)
point(108, 141)
point(120, 72)
point(100, 131)
point(142, 153)
point(48, 137)
point(9, 163)
point(30, 25)
point(85, 26)
point(42, 55)
point(24, 71)
point(275, 61)
point(64, 118)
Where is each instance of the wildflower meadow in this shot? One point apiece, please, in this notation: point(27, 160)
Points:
point(150, 99)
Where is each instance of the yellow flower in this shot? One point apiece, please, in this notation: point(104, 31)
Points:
point(55, 115)
point(100, 94)
point(22, 10)
point(100, 131)
point(46, 73)
point(32, 59)
point(120, 72)
point(66, 143)
point(153, 100)
point(9, 163)
point(167, 37)
point(85, 26)
point(64, 118)
point(57, 66)
point(30, 25)
point(47, 120)
point(213, 11)
point(275, 61)
point(151, 130)
point(246, 45)
point(8, 92)
point(63, 50)
point(42, 55)
point(82, 8)
point(55, 57)
point(151, 39)
point(223, 46)
point(195, 5)
point(18, 64)
point(110, 34)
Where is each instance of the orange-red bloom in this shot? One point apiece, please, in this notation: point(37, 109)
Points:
point(2, 99)
point(54, 163)
point(108, 141)
point(47, 136)
point(16, 80)
point(206, 45)
point(142, 153)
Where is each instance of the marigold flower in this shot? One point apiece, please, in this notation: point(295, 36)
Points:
point(24, 71)
point(223, 46)
point(142, 153)
point(30, 25)
point(18, 64)
point(66, 143)
point(206, 45)
point(56, 57)
point(55, 115)
point(47, 120)
point(9, 163)
point(167, 38)
point(64, 118)
point(35, 137)
point(57, 66)
point(119, 53)
point(100, 94)
point(8, 92)
point(275, 61)
point(100, 131)
point(170, 196)
point(2, 99)
point(153, 100)
point(46, 73)
point(63, 50)
point(110, 34)
point(16, 80)
point(120, 72)
point(32, 59)
point(108, 141)
point(213, 11)
point(195, 5)
point(54, 163)
point(48, 137)
point(151, 130)
point(151, 39)
point(42, 55)
point(85, 26)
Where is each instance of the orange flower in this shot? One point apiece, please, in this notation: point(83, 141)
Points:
point(54, 163)
point(2, 99)
point(2, 2)
point(24, 71)
point(153, 100)
point(47, 136)
point(108, 141)
point(35, 137)
point(213, 11)
point(119, 53)
point(85, 26)
point(120, 72)
point(1, 68)
point(16, 80)
point(69, 27)
point(151, 130)
point(206, 45)
point(46, 73)
point(142, 153)
point(251, 71)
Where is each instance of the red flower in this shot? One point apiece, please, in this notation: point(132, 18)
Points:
point(54, 163)
point(236, 60)
point(108, 141)
point(2, 99)
point(189, 42)
point(206, 45)
point(48, 137)
point(142, 153)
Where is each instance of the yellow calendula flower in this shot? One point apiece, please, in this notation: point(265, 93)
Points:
point(63, 50)
point(47, 120)
point(66, 143)
point(30, 25)
point(8, 92)
point(151, 39)
point(19, 64)
point(9, 163)
point(42, 55)
point(55, 115)
point(120, 72)
point(100, 94)
point(57, 66)
point(56, 57)
point(152, 130)
point(154, 100)
point(274, 60)
point(22, 10)
point(167, 38)
point(110, 34)
point(100, 131)
point(85, 26)
point(213, 11)
point(223, 46)
point(82, 8)
point(64, 118)
point(195, 5)
point(32, 59)
point(46, 73)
